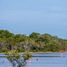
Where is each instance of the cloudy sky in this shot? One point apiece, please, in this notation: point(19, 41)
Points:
point(27, 16)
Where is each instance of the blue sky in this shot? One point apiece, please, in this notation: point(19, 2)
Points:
point(27, 16)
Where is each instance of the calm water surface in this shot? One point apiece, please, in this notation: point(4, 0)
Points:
point(44, 60)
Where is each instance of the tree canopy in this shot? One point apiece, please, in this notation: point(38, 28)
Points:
point(34, 42)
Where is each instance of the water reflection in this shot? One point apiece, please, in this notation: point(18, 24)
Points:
point(17, 62)
point(45, 61)
point(4, 62)
point(11, 61)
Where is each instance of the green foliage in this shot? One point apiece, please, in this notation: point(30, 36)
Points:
point(33, 42)
point(27, 55)
point(12, 55)
point(5, 34)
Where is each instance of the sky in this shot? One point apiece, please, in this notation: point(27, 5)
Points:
point(27, 16)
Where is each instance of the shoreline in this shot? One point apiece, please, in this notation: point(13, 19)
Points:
point(42, 52)
point(38, 52)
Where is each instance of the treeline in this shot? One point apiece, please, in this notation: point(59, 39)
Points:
point(34, 42)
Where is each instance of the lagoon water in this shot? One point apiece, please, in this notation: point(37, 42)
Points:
point(41, 60)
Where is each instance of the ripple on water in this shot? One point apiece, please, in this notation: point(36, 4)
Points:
point(40, 61)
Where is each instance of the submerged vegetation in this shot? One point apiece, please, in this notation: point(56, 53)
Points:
point(18, 60)
point(34, 42)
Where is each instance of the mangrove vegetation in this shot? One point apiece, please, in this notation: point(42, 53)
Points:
point(35, 42)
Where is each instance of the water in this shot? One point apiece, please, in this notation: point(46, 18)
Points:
point(5, 63)
point(43, 60)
